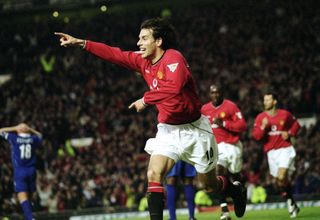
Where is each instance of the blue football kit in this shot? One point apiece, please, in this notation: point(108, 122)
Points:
point(182, 169)
point(23, 147)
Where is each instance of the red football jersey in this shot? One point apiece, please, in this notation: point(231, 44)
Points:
point(172, 87)
point(233, 121)
point(271, 135)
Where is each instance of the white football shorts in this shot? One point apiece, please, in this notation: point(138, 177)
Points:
point(193, 143)
point(230, 156)
point(281, 158)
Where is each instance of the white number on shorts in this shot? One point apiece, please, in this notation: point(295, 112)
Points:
point(25, 151)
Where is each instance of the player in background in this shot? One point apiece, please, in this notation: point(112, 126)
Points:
point(183, 134)
point(274, 127)
point(23, 142)
point(227, 124)
point(186, 173)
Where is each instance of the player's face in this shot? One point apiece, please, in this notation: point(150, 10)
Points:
point(215, 95)
point(268, 102)
point(147, 44)
point(22, 128)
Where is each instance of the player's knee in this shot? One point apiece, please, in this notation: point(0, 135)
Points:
point(22, 196)
point(154, 176)
point(221, 170)
point(282, 181)
point(171, 180)
point(188, 181)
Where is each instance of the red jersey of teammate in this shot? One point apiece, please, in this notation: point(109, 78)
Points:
point(281, 121)
point(233, 122)
point(172, 88)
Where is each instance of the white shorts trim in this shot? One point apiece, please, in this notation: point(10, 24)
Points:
point(193, 143)
point(281, 158)
point(230, 156)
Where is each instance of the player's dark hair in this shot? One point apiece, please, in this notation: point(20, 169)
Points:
point(271, 92)
point(161, 28)
point(219, 87)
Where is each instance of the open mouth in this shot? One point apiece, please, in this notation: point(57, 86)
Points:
point(141, 50)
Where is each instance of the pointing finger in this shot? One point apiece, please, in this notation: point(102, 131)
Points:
point(130, 106)
point(60, 34)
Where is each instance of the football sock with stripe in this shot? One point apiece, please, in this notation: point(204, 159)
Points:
point(155, 196)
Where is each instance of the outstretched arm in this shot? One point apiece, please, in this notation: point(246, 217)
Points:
point(128, 59)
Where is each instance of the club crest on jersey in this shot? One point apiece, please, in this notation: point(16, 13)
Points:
point(160, 75)
point(172, 67)
point(222, 114)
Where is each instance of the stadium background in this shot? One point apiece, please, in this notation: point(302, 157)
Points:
point(69, 94)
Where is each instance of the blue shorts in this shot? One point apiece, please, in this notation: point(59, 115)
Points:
point(24, 179)
point(182, 169)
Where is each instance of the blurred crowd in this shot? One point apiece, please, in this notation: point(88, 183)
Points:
point(68, 93)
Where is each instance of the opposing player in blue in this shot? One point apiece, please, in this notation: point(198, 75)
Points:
point(23, 142)
point(185, 172)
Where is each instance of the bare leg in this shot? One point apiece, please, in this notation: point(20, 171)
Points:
point(210, 181)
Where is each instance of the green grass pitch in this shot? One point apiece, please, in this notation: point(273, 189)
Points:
point(306, 213)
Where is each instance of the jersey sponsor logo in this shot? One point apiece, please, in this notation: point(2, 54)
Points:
point(160, 75)
point(274, 133)
point(222, 114)
point(172, 67)
point(154, 85)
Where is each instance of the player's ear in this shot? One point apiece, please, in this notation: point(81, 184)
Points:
point(275, 102)
point(159, 42)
